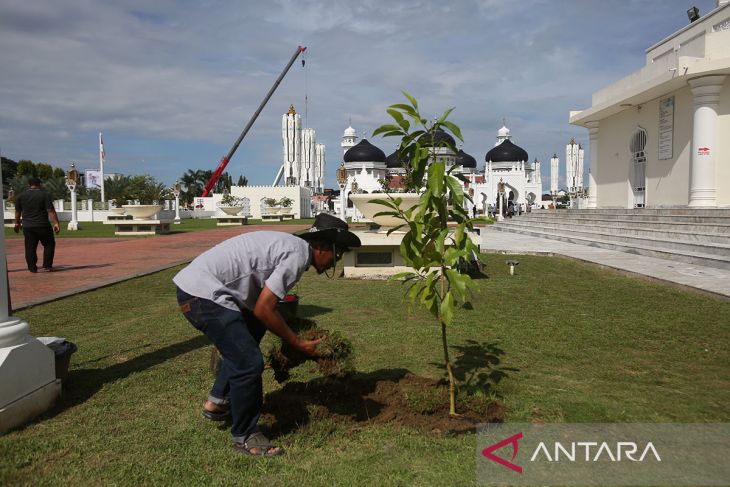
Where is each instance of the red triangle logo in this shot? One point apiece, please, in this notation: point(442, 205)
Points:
point(512, 440)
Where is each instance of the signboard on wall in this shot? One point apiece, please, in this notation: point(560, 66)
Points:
point(666, 127)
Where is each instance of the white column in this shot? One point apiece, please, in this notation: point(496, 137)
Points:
point(74, 223)
point(343, 202)
point(593, 161)
point(177, 209)
point(706, 93)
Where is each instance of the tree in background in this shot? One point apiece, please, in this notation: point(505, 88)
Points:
point(242, 180)
point(26, 168)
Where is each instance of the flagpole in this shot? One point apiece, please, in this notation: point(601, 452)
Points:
point(101, 169)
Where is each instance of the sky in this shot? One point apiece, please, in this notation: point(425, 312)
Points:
point(172, 83)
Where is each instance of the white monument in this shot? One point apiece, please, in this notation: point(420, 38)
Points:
point(28, 384)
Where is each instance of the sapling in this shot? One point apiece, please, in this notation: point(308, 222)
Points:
point(436, 238)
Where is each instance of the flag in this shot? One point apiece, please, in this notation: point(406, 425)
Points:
point(102, 154)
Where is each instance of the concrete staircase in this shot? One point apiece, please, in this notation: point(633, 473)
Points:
point(692, 236)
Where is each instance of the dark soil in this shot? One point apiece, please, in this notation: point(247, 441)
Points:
point(394, 397)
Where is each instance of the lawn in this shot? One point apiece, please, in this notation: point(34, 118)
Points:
point(561, 341)
point(100, 229)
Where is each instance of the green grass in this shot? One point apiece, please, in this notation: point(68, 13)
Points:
point(100, 229)
point(560, 341)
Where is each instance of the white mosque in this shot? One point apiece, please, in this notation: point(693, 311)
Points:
point(506, 163)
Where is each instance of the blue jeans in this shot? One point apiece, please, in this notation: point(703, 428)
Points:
point(237, 335)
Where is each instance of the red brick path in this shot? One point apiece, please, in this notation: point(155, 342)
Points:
point(87, 263)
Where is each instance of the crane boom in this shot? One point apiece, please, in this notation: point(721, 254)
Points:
point(224, 162)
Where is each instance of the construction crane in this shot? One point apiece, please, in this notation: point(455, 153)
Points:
point(227, 158)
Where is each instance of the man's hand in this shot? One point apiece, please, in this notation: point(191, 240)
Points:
point(308, 347)
point(16, 227)
point(56, 228)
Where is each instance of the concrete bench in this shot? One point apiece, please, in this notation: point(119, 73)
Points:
point(140, 227)
point(230, 220)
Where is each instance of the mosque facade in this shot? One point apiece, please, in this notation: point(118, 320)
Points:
point(659, 137)
point(506, 166)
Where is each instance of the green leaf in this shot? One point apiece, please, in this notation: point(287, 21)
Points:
point(444, 116)
point(454, 129)
point(446, 310)
point(456, 281)
point(386, 128)
point(436, 178)
point(402, 122)
point(412, 100)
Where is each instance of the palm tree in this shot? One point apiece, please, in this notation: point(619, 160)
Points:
point(117, 189)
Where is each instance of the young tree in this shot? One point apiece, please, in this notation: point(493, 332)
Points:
point(431, 246)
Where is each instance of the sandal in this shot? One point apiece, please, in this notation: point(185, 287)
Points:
point(259, 441)
point(219, 415)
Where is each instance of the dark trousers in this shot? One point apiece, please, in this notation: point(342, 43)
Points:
point(237, 336)
point(44, 235)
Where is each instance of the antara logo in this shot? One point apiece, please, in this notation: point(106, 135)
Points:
point(703, 151)
point(587, 451)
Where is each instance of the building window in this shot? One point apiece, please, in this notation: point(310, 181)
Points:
point(373, 259)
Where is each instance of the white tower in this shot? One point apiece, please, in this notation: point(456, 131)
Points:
point(537, 178)
point(309, 157)
point(554, 173)
point(320, 169)
point(574, 167)
point(349, 139)
point(291, 134)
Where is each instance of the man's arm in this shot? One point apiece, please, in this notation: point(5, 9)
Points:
point(54, 218)
point(266, 311)
point(16, 227)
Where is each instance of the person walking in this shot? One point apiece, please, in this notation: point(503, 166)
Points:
point(231, 292)
point(35, 207)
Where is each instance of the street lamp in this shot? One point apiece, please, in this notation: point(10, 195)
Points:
point(72, 180)
point(176, 192)
point(341, 176)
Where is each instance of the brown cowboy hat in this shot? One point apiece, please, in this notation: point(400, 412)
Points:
point(331, 229)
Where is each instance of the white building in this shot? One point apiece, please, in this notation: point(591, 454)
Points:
point(659, 137)
point(508, 163)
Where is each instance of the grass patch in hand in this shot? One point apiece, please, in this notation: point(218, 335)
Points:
point(334, 353)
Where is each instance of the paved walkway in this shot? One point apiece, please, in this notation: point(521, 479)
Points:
point(87, 263)
point(708, 279)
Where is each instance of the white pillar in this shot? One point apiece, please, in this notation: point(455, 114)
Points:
point(74, 223)
point(706, 94)
point(177, 209)
point(343, 203)
point(593, 170)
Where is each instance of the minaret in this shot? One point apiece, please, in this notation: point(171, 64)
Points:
point(319, 169)
point(536, 177)
point(574, 167)
point(309, 157)
point(291, 134)
point(349, 139)
point(554, 173)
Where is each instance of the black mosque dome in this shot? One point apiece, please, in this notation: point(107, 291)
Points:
point(465, 160)
point(506, 152)
point(364, 151)
point(438, 138)
point(392, 162)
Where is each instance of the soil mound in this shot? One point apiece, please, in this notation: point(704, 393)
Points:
point(395, 397)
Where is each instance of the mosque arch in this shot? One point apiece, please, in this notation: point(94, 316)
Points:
point(637, 174)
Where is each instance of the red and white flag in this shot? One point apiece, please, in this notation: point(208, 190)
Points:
point(102, 154)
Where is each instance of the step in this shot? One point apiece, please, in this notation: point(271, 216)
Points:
point(722, 249)
point(685, 256)
point(696, 233)
point(664, 218)
point(690, 227)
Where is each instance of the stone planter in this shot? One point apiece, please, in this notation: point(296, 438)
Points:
point(142, 212)
point(363, 203)
point(231, 210)
point(116, 211)
point(287, 210)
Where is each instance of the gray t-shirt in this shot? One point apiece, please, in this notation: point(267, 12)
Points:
point(234, 272)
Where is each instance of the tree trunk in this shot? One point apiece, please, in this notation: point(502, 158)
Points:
point(452, 387)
